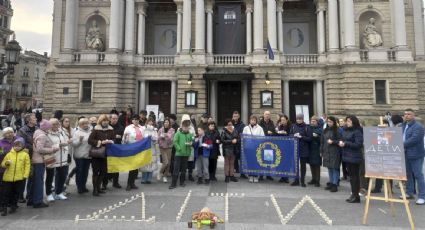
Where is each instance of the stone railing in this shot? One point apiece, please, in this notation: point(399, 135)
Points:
point(229, 59)
point(301, 58)
point(84, 57)
point(365, 56)
point(158, 60)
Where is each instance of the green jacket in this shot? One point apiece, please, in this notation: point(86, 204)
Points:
point(179, 142)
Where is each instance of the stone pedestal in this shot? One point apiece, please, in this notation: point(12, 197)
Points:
point(350, 55)
point(403, 54)
point(378, 55)
point(334, 57)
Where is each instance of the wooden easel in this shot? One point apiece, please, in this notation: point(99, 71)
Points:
point(388, 197)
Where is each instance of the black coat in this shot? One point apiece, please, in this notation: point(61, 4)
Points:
point(268, 126)
point(352, 152)
point(285, 128)
point(304, 141)
point(214, 136)
point(229, 148)
point(314, 157)
point(330, 152)
point(119, 130)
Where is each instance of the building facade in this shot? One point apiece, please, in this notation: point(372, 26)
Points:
point(27, 82)
point(194, 56)
point(6, 13)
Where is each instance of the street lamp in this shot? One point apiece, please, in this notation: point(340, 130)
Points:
point(13, 50)
point(267, 78)
point(189, 81)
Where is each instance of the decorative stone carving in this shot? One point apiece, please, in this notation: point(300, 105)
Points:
point(371, 37)
point(94, 38)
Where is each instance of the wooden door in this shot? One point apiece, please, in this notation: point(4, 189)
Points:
point(160, 94)
point(229, 100)
point(300, 93)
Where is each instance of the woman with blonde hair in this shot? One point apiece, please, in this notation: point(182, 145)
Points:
point(101, 135)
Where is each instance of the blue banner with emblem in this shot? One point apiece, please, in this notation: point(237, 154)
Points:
point(269, 156)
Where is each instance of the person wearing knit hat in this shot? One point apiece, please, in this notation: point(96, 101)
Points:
point(191, 160)
point(303, 132)
point(45, 125)
point(6, 144)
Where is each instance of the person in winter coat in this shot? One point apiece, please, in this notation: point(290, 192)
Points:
point(17, 168)
point(59, 169)
point(101, 135)
point(147, 170)
point(301, 131)
point(42, 146)
point(315, 159)
point(27, 132)
point(269, 130)
point(255, 130)
point(118, 130)
point(82, 148)
point(230, 140)
point(283, 127)
point(351, 144)
point(203, 147)
point(165, 140)
point(133, 133)
point(182, 141)
point(213, 134)
point(239, 126)
point(6, 144)
point(413, 141)
point(330, 153)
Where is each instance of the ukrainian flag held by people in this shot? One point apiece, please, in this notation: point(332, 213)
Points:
point(124, 158)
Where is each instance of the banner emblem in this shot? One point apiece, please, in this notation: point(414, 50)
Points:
point(272, 155)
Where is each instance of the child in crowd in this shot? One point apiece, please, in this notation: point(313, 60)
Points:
point(203, 146)
point(17, 165)
point(183, 144)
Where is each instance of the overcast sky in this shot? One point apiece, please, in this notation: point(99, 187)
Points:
point(32, 23)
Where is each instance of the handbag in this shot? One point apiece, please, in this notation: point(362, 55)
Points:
point(97, 152)
point(49, 159)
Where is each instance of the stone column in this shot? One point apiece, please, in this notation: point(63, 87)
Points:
point(187, 23)
point(141, 30)
point(245, 104)
point(333, 25)
point(122, 25)
point(57, 25)
point(200, 26)
point(400, 42)
point(213, 97)
point(173, 108)
point(319, 97)
point(70, 24)
point(142, 95)
point(258, 26)
point(209, 12)
point(248, 28)
point(129, 26)
point(418, 22)
point(271, 23)
point(179, 27)
point(341, 23)
point(114, 26)
point(321, 38)
point(280, 26)
point(286, 98)
point(349, 35)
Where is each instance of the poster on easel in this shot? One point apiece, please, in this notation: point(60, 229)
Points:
point(154, 109)
point(384, 153)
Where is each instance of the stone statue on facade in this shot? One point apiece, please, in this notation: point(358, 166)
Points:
point(371, 36)
point(94, 39)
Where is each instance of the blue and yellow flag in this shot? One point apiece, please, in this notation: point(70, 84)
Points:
point(123, 158)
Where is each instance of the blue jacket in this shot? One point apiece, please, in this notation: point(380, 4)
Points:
point(352, 151)
point(414, 140)
point(304, 142)
point(204, 151)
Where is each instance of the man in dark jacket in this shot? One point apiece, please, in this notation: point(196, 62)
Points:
point(27, 133)
point(239, 126)
point(119, 130)
point(413, 140)
point(301, 131)
point(269, 130)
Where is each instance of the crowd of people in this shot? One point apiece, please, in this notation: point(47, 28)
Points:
point(36, 157)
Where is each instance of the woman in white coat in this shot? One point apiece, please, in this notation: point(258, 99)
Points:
point(147, 171)
point(253, 129)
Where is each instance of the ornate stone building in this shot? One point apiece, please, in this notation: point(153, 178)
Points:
point(6, 13)
point(194, 56)
point(27, 82)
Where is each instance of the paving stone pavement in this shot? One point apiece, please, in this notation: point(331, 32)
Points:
point(255, 210)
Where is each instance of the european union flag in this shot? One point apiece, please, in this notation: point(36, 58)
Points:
point(270, 50)
point(269, 156)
